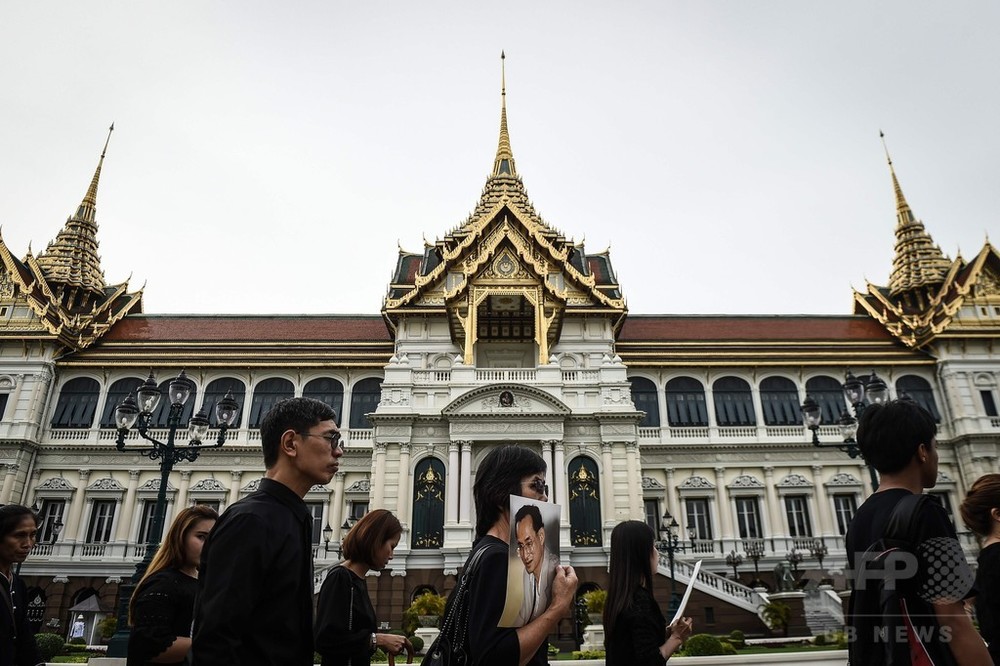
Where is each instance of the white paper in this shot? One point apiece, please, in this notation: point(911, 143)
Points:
point(687, 594)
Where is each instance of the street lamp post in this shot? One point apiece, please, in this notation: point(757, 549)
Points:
point(755, 550)
point(795, 558)
point(734, 560)
point(138, 411)
point(328, 535)
point(819, 550)
point(670, 543)
point(875, 391)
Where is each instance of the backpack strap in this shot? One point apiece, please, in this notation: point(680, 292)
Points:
point(903, 521)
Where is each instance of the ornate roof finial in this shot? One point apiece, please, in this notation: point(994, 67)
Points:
point(88, 207)
point(918, 261)
point(504, 163)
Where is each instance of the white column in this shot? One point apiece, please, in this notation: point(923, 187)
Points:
point(547, 457)
point(465, 510)
point(661, 400)
point(404, 501)
point(76, 506)
point(634, 480)
point(337, 503)
point(451, 492)
point(824, 521)
point(8, 483)
point(713, 422)
point(777, 526)
point(128, 507)
point(758, 408)
point(378, 476)
point(234, 487)
point(608, 486)
point(670, 497)
point(725, 511)
point(561, 487)
point(182, 490)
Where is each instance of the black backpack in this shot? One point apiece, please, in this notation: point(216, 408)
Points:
point(880, 625)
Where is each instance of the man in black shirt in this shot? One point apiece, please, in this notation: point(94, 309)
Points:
point(898, 440)
point(255, 582)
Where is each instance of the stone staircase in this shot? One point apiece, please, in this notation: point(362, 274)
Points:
point(720, 587)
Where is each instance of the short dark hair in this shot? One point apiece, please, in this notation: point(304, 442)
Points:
point(11, 516)
point(530, 511)
point(498, 477)
point(889, 434)
point(298, 414)
point(368, 534)
point(977, 507)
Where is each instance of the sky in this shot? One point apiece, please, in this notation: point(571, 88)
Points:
point(271, 157)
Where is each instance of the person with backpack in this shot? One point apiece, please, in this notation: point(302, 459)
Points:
point(910, 575)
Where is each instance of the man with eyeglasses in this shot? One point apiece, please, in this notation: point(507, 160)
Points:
point(255, 584)
point(539, 562)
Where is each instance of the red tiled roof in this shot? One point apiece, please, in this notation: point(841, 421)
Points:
point(753, 327)
point(210, 328)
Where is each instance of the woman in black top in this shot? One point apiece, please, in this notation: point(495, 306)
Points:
point(981, 513)
point(18, 528)
point(505, 471)
point(162, 606)
point(345, 618)
point(636, 633)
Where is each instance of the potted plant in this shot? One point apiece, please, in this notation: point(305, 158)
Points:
point(595, 600)
point(428, 608)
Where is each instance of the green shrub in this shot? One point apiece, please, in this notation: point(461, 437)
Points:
point(107, 627)
point(727, 647)
point(819, 639)
point(49, 645)
point(78, 641)
point(588, 654)
point(417, 642)
point(703, 645)
point(778, 616)
point(379, 656)
point(737, 638)
point(553, 650)
point(595, 600)
point(427, 603)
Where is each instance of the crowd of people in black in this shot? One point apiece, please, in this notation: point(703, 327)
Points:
point(238, 589)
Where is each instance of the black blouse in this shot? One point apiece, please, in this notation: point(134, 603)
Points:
point(164, 609)
point(988, 600)
point(345, 619)
point(640, 630)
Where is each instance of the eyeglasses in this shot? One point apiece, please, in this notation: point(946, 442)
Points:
point(332, 438)
point(527, 544)
point(539, 486)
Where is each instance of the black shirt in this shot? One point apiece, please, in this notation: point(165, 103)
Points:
point(17, 642)
point(345, 619)
point(490, 645)
point(164, 608)
point(640, 630)
point(255, 583)
point(988, 599)
point(942, 574)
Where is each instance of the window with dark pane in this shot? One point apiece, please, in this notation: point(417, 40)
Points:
point(651, 509)
point(797, 512)
point(644, 397)
point(357, 509)
point(829, 395)
point(316, 513)
point(266, 395)
point(3, 404)
point(428, 504)
point(217, 390)
point(117, 392)
point(146, 522)
point(779, 400)
point(77, 403)
point(733, 402)
point(328, 390)
point(845, 505)
point(944, 499)
point(161, 415)
point(919, 390)
point(365, 397)
point(584, 503)
point(698, 517)
point(102, 516)
point(748, 517)
point(686, 403)
point(51, 513)
point(989, 403)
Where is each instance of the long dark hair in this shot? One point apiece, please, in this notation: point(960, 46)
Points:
point(497, 478)
point(631, 546)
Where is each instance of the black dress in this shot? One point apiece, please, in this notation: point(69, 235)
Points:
point(164, 609)
point(345, 619)
point(640, 630)
point(988, 599)
point(17, 642)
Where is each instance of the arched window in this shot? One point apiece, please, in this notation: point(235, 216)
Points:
point(364, 400)
point(829, 395)
point(161, 415)
point(428, 504)
point(779, 400)
point(733, 402)
point(920, 392)
point(421, 590)
point(265, 395)
point(77, 403)
point(216, 391)
point(686, 403)
point(328, 390)
point(118, 391)
point(584, 503)
point(644, 397)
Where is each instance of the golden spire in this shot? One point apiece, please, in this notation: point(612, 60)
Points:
point(918, 262)
point(72, 258)
point(504, 163)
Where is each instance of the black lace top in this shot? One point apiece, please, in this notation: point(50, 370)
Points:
point(164, 609)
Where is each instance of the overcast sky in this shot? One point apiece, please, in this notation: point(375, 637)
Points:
point(267, 157)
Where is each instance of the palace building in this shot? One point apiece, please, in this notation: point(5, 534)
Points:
point(504, 331)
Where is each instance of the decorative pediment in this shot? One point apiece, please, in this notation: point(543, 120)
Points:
point(209, 486)
point(506, 400)
point(107, 483)
point(362, 486)
point(251, 487)
point(746, 481)
point(944, 478)
point(153, 485)
point(795, 481)
point(843, 479)
point(55, 483)
point(696, 483)
point(649, 483)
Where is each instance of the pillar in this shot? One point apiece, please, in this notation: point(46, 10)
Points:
point(824, 521)
point(634, 480)
point(403, 503)
point(560, 485)
point(234, 487)
point(8, 483)
point(182, 491)
point(452, 489)
point(128, 507)
point(777, 526)
point(337, 503)
point(725, 513)
point(378, 476)
point(76, 506)
point(465, 503)
point(608, 486)
point(670, 497)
